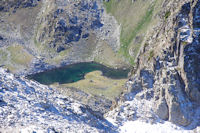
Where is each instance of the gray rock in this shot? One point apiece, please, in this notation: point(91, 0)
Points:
point(176, 115)
point(162, 109)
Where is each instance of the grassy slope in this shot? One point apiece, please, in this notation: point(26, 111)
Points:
point(15, 57)
point(135, 19)
point(19, 56)
point(108, 57)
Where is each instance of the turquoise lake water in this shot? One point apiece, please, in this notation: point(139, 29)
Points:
point(75, 72)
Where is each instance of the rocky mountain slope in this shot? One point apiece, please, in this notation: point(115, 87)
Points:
point(160, 39)
point(29, 106)
point(167, 70)
point(55, 33)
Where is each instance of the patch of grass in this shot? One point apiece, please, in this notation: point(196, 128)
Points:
point(108, 6)
point(151, 54)
point(127, 40)
point(178, 68)
point(146, 44)
point(38, 45)
point(58, 58)
point(167, 14)
point(11, 67)
point(96, 84)
point(108, 57)
point(135, 19)
point(184, 43)
point(3, 56)
point(15, 58)
point(19, 56)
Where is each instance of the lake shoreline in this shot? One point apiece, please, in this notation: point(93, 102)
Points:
point(114, 73)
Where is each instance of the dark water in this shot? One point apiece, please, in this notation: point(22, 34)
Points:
point(76, 72)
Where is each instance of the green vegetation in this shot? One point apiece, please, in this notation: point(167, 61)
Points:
point(178, 68)
point(109, 58)
point(151, 54)
point(126, 40)
point(15, 57)
point(167, 14)
point(135, 19)
point(19, 56)
point(96, 84)
point(56, 60)
point(146, 44)
point(184, 43)
point(3, 56)
point(110, 5)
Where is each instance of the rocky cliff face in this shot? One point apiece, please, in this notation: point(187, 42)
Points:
point(167, 71)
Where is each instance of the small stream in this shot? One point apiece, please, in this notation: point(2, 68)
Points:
point(75, 72)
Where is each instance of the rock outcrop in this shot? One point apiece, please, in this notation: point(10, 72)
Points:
point(70, 21)
point(13, 5)
point(167, 70)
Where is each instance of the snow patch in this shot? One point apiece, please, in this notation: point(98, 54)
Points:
point(143, 127)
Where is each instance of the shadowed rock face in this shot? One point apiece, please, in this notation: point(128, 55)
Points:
point(13, 5)
point(192, 58)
